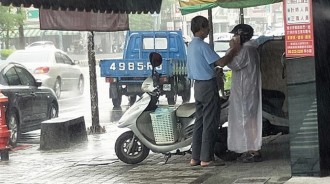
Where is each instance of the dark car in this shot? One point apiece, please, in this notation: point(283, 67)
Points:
point(28, 103)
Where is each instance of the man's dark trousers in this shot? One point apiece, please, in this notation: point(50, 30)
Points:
point(207, 119)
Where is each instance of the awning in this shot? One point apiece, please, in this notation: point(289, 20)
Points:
point(108, 6)
point(27, 33)
point(55, 32)
point(31, 33)
point(191, 6)
point(39, 33)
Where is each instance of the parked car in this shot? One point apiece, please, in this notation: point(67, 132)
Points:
point(28, 103)
point(53, 67)
point(41, 44)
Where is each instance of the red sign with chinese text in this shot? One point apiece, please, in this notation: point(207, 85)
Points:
point(299, 36)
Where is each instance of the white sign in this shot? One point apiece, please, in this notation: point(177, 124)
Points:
point(298, 12)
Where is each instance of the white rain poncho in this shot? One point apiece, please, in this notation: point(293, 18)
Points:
point(245, 111)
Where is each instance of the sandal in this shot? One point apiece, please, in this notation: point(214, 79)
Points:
point(250, 157)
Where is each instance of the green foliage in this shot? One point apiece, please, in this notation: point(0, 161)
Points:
point(147, 22)
point(228, 75)
point(5, 53)
point(141, 22)
point(10, 19)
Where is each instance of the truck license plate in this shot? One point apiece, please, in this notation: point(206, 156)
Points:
point(167, 87)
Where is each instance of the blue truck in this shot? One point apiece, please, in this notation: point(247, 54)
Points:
point(126, 75)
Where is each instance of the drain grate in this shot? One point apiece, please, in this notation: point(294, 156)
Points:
point(253, 180)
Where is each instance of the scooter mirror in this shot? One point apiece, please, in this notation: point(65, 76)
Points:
point(155, 59)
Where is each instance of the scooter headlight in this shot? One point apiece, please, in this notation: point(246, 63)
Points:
point(148, 85)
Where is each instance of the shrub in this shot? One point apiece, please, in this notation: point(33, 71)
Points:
point(5, 53)
point(228, 80)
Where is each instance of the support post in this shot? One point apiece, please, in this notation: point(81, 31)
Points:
point(211, 39)
point(241, 16)
point(95, 128)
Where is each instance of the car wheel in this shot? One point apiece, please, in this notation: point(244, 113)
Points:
point(57, 88)
point(53, 111)
point(81, 85)
point(13, 126)
point(117, 101)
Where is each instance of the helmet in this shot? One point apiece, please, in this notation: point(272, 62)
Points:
point(244, 30)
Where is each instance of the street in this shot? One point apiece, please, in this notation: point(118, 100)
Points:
point(96, 161)
point(70, 104)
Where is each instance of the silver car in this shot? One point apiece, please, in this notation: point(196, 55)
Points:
point(52, 67)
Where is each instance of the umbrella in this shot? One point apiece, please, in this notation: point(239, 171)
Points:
point(108, 6)
point(191, 6)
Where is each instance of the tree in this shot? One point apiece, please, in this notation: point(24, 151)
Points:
point(146, 22)
point(141, 22)
point(21, 18)
point(167, 11)
point(10, 20)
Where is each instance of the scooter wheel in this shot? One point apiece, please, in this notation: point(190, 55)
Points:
point(136, 154)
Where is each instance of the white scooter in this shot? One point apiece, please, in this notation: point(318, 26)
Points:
point(171, 136)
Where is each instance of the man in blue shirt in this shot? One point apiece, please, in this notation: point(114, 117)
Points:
point(201, 60)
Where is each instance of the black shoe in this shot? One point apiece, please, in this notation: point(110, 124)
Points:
point(231, 156)
point(250, 157)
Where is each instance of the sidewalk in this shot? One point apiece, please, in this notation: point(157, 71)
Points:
point(95, 162)
point(308, 180)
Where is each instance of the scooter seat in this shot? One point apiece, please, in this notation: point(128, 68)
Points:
point(186, 110)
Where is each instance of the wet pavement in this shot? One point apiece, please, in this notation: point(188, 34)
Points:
point(94, 161)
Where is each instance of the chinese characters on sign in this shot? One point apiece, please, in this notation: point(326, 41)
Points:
point(299, 37)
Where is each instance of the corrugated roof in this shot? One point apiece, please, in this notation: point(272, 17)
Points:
point(40, 33)
point(108, 6)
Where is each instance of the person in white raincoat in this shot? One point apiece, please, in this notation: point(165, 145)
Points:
point(245, 111)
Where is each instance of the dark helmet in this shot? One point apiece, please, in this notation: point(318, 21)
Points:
point(244, 30)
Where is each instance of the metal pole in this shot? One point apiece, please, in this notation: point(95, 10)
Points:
point(241, 16)
point(211, 39)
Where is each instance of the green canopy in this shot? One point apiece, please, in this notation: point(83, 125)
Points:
point(191, 6)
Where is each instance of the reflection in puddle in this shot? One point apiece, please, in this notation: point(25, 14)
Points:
point(117, 113)
point(32, 137)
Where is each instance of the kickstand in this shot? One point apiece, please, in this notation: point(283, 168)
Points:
point(167, 156)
